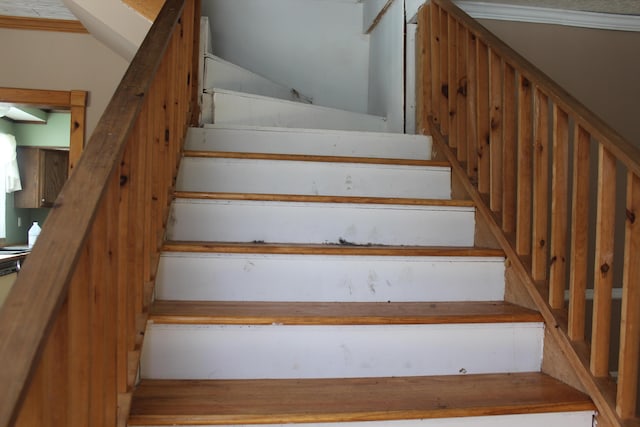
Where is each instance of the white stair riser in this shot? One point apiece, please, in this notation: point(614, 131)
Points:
point(225, 75)
point(313, 178)
point(243, 221)
point(277, 351)
point(317, 142)
point(308, 278)
point(243, 109)
point(553, 419)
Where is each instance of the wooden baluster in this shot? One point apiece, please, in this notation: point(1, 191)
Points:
point(630, 324)
point(559, 208)
point(435, 63)
point(496, 84)
point(484, 156)
point(603, 279)
point(443, 88)
point(525, 172)
point(110, 244)
point(540, 227)
point(423, 71)
point(452, 79)
point(461, 93)
point(579, 234)
point(126, 323)
point(472, 108)
point(425, 77)
point(509, 150)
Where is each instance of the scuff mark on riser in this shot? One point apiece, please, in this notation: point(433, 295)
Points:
point(245, 221)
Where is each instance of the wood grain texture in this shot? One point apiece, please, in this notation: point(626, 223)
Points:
point(603, 265)
point(496, 131)
point(600, 391)
point(461, 93)
point(363, 399)
point(483, 121)
point(559, 209)
point(338, 313)
point(472, 108)
point(630, 322)
point(525, 167)
point(452, 81)
point(621, 148)
point(42, 24)
point(54, 261)
point(312, 158)
point(434, 71)
point(509, 150)
point(540, 215)
point(309, 249)
point(579, 235)
point(443, 98)
point(321, 199)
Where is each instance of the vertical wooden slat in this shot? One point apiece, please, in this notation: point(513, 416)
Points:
point(496, 83)
point(98, 299)
point(525, 172)
point(630, 323)
point(461, 93)
point(603, 279)
point(444, 73)
point(111, 293)
point(435, 63)
point(579, 234)
point(472, 108)
point(559, 208)
point(540, 220)
point(509, 150)
point(452, 79)
point(484, 155)
point(422, 74)
point(78, 100)
point(125, 254)
point(80, 337)
point(426, 76)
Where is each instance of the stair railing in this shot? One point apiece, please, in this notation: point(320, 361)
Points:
point(544, 172)
point(72, 325)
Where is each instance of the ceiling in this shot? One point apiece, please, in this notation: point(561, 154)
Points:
point(50, 9)
point(55, 9)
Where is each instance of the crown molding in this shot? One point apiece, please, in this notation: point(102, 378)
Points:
point(545, 15)
point(41, 24)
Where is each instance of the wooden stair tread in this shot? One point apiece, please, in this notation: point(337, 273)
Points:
point(337, 313)
point(303, 198)
point(314, 158)
point(344, 249)
point(175, 402)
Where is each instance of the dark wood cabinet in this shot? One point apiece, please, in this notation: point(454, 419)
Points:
point(43, 172)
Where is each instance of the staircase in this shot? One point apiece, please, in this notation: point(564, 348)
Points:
point(317, 271)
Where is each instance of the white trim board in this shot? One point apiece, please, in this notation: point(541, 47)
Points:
point(539, 15)
point(545, 15)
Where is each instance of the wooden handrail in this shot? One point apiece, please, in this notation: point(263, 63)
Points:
point(71, 327)
point(522, 148)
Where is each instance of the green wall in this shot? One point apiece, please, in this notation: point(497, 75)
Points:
point(56, 133)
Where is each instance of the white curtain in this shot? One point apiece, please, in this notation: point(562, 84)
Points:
point(9, 175)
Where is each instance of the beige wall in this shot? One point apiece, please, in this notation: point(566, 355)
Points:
point(61, 61)
point(599, 67)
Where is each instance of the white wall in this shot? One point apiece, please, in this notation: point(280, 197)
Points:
point(386, 68)
point(314, 46)
point(61, 61)
point(112, 22)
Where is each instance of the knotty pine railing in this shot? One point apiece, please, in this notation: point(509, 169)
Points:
point(544, 172)
point(72, 326)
